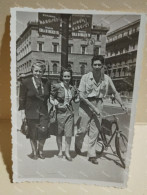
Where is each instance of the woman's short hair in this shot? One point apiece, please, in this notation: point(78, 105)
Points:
point(66, 70)
point(39, 64)
point(98, 57)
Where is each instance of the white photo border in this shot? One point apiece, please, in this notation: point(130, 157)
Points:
point(14, 97)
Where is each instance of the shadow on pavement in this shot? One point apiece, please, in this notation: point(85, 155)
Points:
point(105, 155)
point(53, 153)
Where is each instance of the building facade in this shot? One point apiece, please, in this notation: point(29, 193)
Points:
point(121, 53)
point(32, 46)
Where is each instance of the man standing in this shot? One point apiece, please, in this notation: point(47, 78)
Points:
point(92, 89)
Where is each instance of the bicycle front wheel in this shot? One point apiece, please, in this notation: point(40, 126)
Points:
point(121, 143)
point(99, 145)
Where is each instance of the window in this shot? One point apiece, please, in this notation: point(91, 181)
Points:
point(125, 50)
point(98, 37)
point(105, 71)
point(134, 30)
point(25, 50)
point(69, 66)
point(29, 46)
point(116, 52)
point(110, 40)
point(115, 38)
point(29, 65)
point(83, 47)
point(96, 50)
point(114, 72)
point(125, 70)
point(125, 33)
point(55, 47)
point(40, 46)
point(130, 31)
point(109, 72)
point(82, 68)
point(54, 68)
point(121, 51)
point(119, 36)
point(119, 71)
point(69, 48)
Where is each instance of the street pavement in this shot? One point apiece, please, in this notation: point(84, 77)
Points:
point(108, 169)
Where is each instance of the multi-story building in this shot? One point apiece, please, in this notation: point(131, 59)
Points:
point(121, 53)
point(32, 46)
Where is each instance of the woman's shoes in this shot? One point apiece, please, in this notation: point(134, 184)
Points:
point(68, 158)
point(40, 155)
point(33, 156)
point(60, 155)
point(36, 155)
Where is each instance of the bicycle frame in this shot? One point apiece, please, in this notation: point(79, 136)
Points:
point(117, 134)
point(102, 134)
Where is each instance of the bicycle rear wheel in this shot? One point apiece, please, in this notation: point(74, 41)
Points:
point(121, 143)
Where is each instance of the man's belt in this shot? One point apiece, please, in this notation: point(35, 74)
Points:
point(95, 99)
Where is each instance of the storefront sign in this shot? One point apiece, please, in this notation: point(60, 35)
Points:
point(49, 23)
point(81, 25)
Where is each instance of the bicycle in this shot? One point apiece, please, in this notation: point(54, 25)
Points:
point(111, 128)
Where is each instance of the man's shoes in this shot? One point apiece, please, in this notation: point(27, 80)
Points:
point(78, 151)
point(93, 160)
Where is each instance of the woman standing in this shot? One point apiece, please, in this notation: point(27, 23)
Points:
point(62, 95)
point(33, 103)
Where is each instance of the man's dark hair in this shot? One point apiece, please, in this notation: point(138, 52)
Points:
point(98, 57)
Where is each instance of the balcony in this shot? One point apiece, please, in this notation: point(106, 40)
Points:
point(122, 37)
point(121, 56)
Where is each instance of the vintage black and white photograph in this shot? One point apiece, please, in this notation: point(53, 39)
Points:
point(73, 95)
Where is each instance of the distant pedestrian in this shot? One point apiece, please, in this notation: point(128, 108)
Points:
point(113, 98)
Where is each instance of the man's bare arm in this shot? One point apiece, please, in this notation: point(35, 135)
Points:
point(116, 94)
point(88, 103)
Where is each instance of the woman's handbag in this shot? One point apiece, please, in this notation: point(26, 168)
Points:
point(24, 127)
point(52, 115)
point(52, 125)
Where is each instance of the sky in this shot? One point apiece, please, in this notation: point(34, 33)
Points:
point(112, 21)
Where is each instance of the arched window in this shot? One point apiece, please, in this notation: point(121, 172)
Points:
point(82, 69)
point(119, 71)
point(114, 72)
point(125, 69)
point(96, 50)
point(69, 66)
point(54, 68)
point(109, 72)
